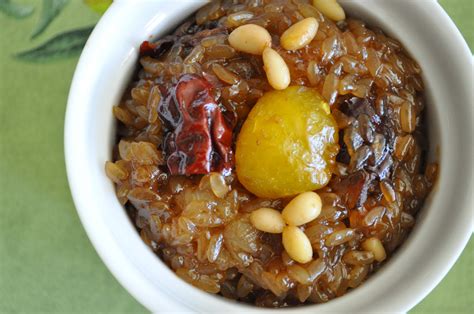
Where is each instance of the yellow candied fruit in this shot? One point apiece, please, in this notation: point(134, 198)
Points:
point(288, 144)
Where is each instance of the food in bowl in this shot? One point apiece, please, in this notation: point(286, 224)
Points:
point(273, 152)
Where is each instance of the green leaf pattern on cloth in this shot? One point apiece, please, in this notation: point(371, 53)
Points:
point(63, 45)
point(18, 11)
point(67, 44)
point(51, 9)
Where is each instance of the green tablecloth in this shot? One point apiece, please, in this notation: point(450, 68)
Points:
point(47, 264)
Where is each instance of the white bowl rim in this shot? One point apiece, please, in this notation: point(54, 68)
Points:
point(135, 280)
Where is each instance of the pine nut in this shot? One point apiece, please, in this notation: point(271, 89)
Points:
point(278, 74)
point(331, 9)
point(267, 220)
point(250, 38)
point(302, 209)
point(299, 34)
point(376, 247)
point(297, 244)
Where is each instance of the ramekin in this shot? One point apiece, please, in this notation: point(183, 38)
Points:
point(443, 227)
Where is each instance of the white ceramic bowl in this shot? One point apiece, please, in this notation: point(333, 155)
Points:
point(443, 227)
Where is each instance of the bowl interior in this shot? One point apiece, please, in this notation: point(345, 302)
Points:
point(103, 74)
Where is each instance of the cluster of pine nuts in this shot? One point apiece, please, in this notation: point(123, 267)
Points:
point(256, 40)
point(302, 209)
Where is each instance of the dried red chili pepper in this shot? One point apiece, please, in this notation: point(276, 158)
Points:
point(198, 140)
